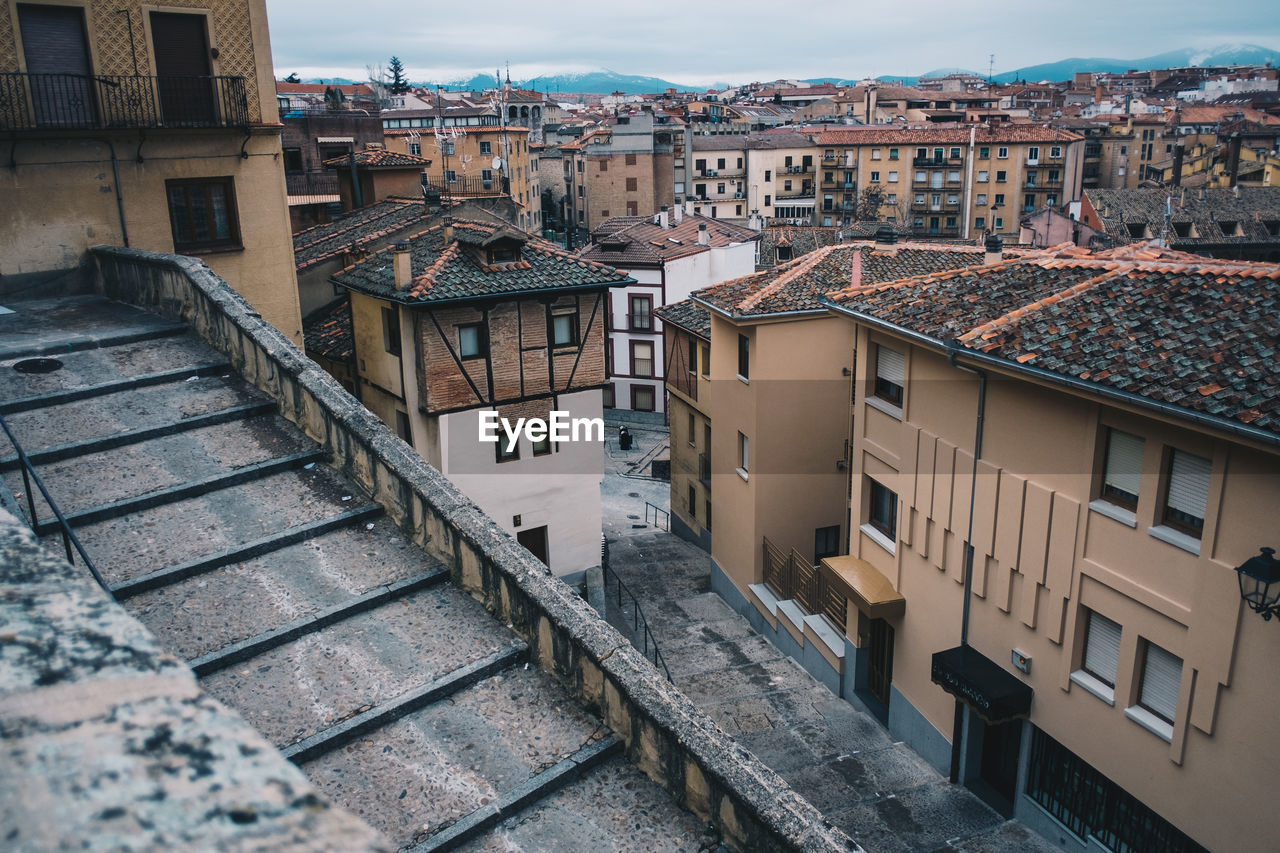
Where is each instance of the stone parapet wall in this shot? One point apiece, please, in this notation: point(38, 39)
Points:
point(666, 736)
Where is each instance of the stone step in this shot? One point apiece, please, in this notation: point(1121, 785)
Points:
point(440, 764)
point(126, 411)
point(614, 807)
point(166, 463)
point(307, 685)
point(197, 527)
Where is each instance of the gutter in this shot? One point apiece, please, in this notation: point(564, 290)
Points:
point(1233, 428)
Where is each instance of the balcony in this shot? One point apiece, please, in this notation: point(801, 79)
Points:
point(41, 102)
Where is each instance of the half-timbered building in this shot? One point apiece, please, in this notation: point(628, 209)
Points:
point(470, 318)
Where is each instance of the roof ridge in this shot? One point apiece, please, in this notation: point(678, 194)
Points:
point(989, 328)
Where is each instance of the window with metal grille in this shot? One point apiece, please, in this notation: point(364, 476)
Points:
point(1122, 479)
point(1186, 492)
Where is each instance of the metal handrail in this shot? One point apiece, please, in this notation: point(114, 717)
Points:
point(69, 539)
point(638, 622)
point(661, 518)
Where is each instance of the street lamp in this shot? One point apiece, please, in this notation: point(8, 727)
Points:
point(1260, 583)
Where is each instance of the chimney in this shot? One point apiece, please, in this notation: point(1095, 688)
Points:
point(1177, 164)
point(886, 240)
point(994, 250)
point(678, 214)
point(704, 239)
point(1234, 157)
point(662, 218)
point(403, 265)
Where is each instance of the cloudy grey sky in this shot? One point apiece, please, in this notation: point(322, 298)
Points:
point(701, 43)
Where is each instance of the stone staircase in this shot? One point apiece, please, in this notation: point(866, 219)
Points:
point(219, 525)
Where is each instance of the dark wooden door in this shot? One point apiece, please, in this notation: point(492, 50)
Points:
point(535, 539)
point(57, 54)
point(880, 660)
point(183, 69)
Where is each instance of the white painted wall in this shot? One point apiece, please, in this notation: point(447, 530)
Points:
point(560, 490)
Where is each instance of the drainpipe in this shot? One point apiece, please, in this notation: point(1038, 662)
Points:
point(953, 349)
point(115, 174)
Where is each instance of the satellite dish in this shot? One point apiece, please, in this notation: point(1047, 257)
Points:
point(497, 163)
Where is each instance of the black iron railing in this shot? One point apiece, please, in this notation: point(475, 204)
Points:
point(69, 540)
point(311, 183)
point(624, 613)
point(122, 101)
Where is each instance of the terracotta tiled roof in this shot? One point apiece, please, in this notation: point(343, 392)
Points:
point(376, 158)
point(688, 315)
point(457, 270)
point(327, 331)
point(1194, 221)
point(958, 134)
point(1200, 335)
point(800, 285)
point(364, 225)
point(638, 240)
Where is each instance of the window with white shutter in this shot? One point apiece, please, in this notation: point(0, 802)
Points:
point(1123, 477)
point(1187, 492)
point(1102, 649)
point(891, 372)
point(1161, 675)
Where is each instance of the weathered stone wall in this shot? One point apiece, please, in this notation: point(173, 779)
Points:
point(666, 736)
point(110, 744)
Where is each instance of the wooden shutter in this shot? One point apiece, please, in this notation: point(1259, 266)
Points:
point(1102, 648)
point(891, 366)
point(1160, 679)
point(1124, 461)
point(1188, 483)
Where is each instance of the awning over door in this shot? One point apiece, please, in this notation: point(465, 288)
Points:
point(993, 693)
point(870, 591)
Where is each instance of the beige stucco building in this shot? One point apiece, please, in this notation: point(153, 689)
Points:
point(169, 142)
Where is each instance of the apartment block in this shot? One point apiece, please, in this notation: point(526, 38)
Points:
point(152, 128)
point(958, 182)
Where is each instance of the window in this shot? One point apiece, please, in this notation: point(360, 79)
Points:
point(744, 455)
point(890, 374)
point(1101, 649)
point(202, 214)
point(826, 542)
point(1186, 492)
point(1002, 153)
point(1161, 675)
point(391, 330)
point(642, 398)
point(1122, 478)
point(641, 358)
point(564, 330)
point(882, 511)
point(983, 176)
point(486, 147)
point(641, 318)
point(632, 185)
point(744, 357)
point(472, 342)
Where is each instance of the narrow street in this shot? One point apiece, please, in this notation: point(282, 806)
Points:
point(838, 757)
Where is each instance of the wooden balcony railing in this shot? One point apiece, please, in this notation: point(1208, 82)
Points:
point(37, 102)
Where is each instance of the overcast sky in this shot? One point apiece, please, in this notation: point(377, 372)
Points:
point(742, 41)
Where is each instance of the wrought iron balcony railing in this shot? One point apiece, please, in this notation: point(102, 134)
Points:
point(125, 101)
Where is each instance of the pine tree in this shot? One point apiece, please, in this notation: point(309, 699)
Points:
point(398, 84)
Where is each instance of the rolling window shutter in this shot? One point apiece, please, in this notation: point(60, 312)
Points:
point(1160, 679)
point(1102, 648)
point(1188, 483)
point(891, 366)
point(1124, 462)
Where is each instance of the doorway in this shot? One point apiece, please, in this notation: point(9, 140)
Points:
point(535, 539)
